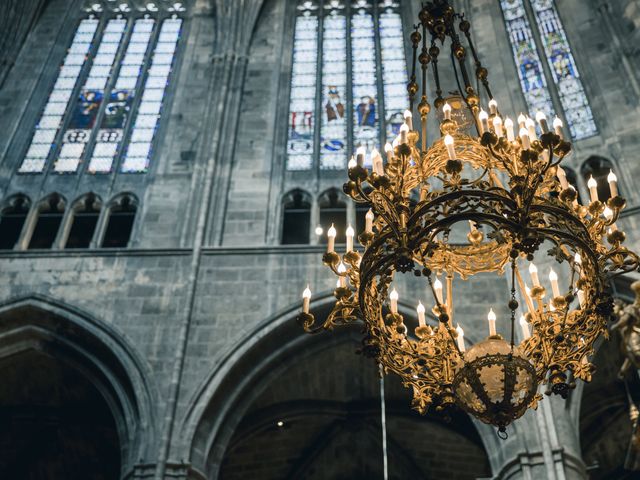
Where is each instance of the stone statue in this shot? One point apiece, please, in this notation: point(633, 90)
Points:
point(628, 325)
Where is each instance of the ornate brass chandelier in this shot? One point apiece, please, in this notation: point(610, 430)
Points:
point(509, 193)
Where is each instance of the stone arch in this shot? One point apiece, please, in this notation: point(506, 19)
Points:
point(99, 353)
point(124, 202)
point(87, 205)
point(218, 407)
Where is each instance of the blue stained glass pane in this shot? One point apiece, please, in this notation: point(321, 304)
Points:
point(333, 131)
point(365, 88)
point(139, 150)
point(563, 67)
point(394, 70)
point(300, 144)
point(532, 79)
point(118, 107)
point(87, 105)
point(47, 127)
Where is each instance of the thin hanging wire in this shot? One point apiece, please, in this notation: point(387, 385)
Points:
point(383, 421)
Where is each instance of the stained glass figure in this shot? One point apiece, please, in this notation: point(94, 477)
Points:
point(532, 79)
point(118, 107)
point(394, 68)
point(138, 154)
point(300, 144)
point(333, 131)
point(85, 110)
point(51, 118)
point(350, 80)
point(364, 78)
point(563, 68)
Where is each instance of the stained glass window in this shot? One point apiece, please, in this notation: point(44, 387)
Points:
point(364, 79)
point(333, 134)
point(556, 48)
point(150, 108)
point(563, 68)
point(300, 145)
point(532, 79)
point(88, 102)
point(394, 69)
point(51, 118)
point(99, 89)
point(118, 108)
point(363, 76)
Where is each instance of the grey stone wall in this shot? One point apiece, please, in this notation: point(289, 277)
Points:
point(204, 279)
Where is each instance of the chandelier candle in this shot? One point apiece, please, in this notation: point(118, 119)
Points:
point(493, 106)
point(491, 317)
point(508, 125)
point(306, 298)
point(451, 151)
point(460, 338)
point(408, 119)
point(557, 126)
point(593, 188)
point(541, 118)
point(350, 234)
point(378, 167)
point(562, 177)
point(512, 194)
point(446, 111)
point(331, 239)
point(613, 183)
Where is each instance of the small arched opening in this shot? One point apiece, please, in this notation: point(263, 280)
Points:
point(49, 215)
point(85, 213)
point(12, 219)
point(333, 211)
point(121, 216)
point(296, 217)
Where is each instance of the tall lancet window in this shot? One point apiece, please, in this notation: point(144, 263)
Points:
point(536, 32)
point(106, 103)
point(348, 81)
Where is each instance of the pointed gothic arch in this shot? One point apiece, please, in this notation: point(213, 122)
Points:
point(96, 352)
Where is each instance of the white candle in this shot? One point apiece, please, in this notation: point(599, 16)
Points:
point(562, 176)
point(404, 130)
point(368, 218)
point(613, 183)
point(451, 151)
point(331, 239)
point(483, 121)
point(541, 118)
point(437, 286)
point(388, 149)
point(581, 298)
point(319, 230)
point(306, 297)
point(524, 326)
point(553, 278)
point(350, 235)
point(497, 126)
point(492, 322)
point(378, 168)
point(593, 188)
point(521, 121)
point(508, 125)
point(393, 296)
point(421, 320)
point(531, 127)
point(557, 126)
point(577, 260)
point(460, 339)
point(446, 111)
point(493, 106)
point(408, 118)
point(608, 214)
point(524, 138)
point(533, 271)
point(360, 154)
point(342, 279)
point(352, 163)
point(472, 226)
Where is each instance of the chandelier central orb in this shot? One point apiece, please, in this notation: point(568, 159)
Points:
point(487, 197)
